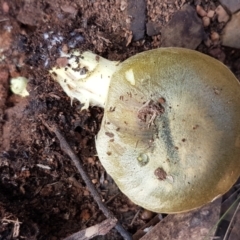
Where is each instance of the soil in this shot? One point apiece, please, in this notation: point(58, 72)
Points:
point(42, 195)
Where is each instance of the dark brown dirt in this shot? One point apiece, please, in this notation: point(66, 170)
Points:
point(39, 185)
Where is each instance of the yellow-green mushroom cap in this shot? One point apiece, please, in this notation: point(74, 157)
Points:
point(170, 136)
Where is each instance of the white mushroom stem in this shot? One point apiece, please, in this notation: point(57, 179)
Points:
point(85, 77)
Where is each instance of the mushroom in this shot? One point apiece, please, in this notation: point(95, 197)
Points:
point(170, 134)
point(19, 86)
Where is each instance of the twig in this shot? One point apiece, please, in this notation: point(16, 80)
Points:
point(96, 230)
point(67, 149)
point(16, 227)
point(4, 19)
point(111, 198)
point(133, 220)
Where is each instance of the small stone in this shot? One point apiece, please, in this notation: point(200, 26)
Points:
point(69, 9)
point(200, 11)
point(91, 161)
point(86, 193)
point(232, 5)
point(185, 29)
point(210, 13)
point(206, 21)
point(215, 37)
point(146, 215)
point(94, 181)
point(231, 32)
point(5, 7)
point(123, 5)
point(222, 14)
point(30, 15)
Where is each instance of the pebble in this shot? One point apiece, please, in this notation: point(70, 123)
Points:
point(123, 5)
point(185, 29)
point(69, 9)
point(206, 21)
point(232, 5)
point(146, 215)
point(5, 7)
point(231, 32)
point(210, 13)
point(200, 11)
point(30, 14)
point(94, 181)
point(215, 37)
point(86, 193)
point(222, 14)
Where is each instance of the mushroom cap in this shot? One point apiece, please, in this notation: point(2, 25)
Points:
point(170, 136)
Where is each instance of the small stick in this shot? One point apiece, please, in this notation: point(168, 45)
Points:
point(111, 198)
point(67, 149)
point(93, 231)
point(133, 220)
point(4, 19)
point(16, 227)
